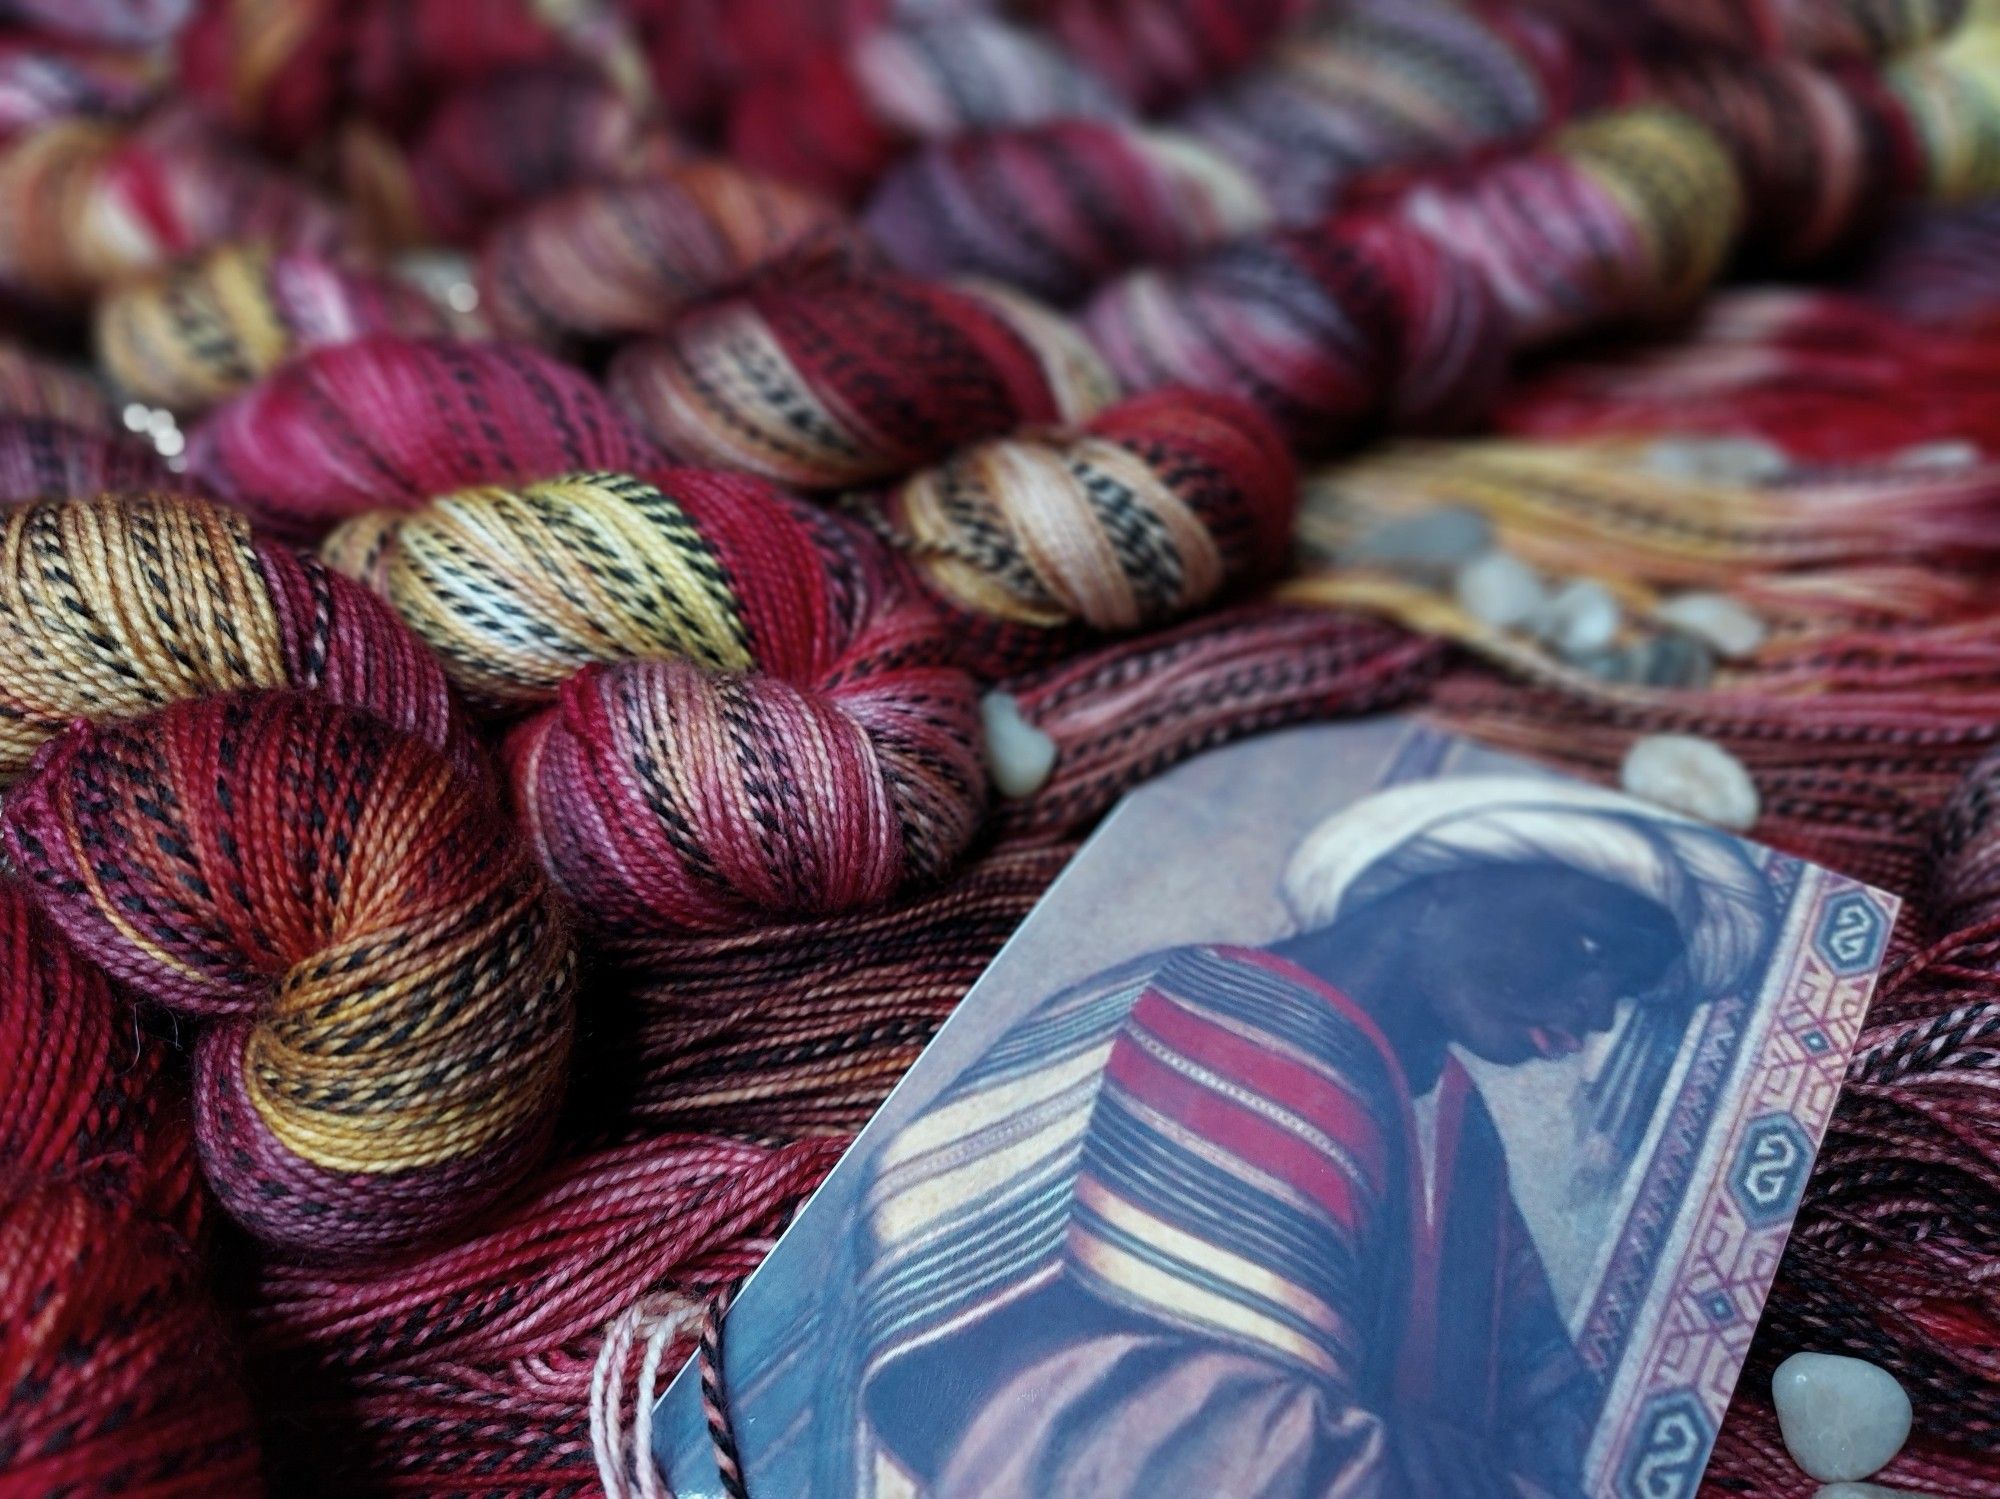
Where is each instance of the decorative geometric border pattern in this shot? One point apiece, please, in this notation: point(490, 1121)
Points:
point(1688, 1342)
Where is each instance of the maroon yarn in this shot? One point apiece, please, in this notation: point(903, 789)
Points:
point(666, 797)
point(117, 1374)
point(388, 421)
point(1158, 52)
point(1330, 330)
point(703, 51)
point(1053, 208)
point(501, 142)
point(906, 371)
point(43, 459)
point(837, 119)
point(1041, 544)
point(1823, 155)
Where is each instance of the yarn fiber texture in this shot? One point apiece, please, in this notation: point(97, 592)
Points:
point(836, 120)
point(1409, 314)
point(831, 382)
point(1058, 208)
point(381, 983)
point(204, 331)
point(1153, 509)
point(117, 1372)
point(744, 711)
point(112, 608)
point(45, 459)
point(628, 257)
point(493, 145)
point(394, 421)
point(33, 385)
point(85, 204)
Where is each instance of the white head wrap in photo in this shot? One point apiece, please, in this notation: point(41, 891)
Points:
point(1704, 878)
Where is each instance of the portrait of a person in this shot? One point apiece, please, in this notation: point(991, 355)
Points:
point(1235, 1222)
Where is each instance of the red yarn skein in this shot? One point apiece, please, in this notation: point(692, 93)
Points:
point(384, 980)
point(393, 421)
point(116, 1374)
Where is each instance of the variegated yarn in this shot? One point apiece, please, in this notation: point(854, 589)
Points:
point(203, 331)
point(838, 380)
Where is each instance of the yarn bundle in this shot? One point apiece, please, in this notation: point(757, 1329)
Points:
point(493, 808)
point(117, 1371)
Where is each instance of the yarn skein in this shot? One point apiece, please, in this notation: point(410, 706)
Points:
point(111, 608)
point(116, 1372)
point(628, 257)
point(85, 205)
point(1409, 313)
point(837, 119)
point(1151, 510)
point(381, 978)
point(205, 330)
point(31, 385)
point(746, 713)
point(1055, 209)
point(1158, 52)
point(44, 459)
point(497, 144)
point(835, 381)
point(386, 420)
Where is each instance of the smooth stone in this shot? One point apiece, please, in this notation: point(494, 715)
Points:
point(1860, 1491)
point(1674, 660)
point(1581, 619)
point(1842, 1418)
point(1501, 590)
point(1943, 452)
point(1019, 756)
point(1430, 545)
point(1717, 460)
point(1686, 773)
point(1717, 620)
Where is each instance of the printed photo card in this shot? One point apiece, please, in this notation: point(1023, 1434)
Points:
point(1363, 1113)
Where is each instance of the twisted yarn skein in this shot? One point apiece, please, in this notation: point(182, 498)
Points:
point(1410, 314)
point(386, 420)
point(830, 382)
point(43, 459)
point(31, 385)
point(517, 588)
point(116, 1372)
point(748, 714)
point(1152, 509)
point(282, 71)
point(382, 980)
point(628, 257)
point(1057, 208)
point(111, 608)
point(207, 329)
point(1383, 83)
point(837, 119)
point(1157, 52)
point(498, 143)
point(84, 204)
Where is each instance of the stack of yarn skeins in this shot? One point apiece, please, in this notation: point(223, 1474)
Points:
point(569, 572)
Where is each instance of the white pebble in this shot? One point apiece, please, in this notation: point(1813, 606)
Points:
point(1019, 756)
point(1581, 619)
point(1689, 774)
point(1717, 620)
point(1860, 1491)
point(1501, 590)
point(1942, 453)
point(1718, 460)
point(1842, 1418)
point(1430, 543)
